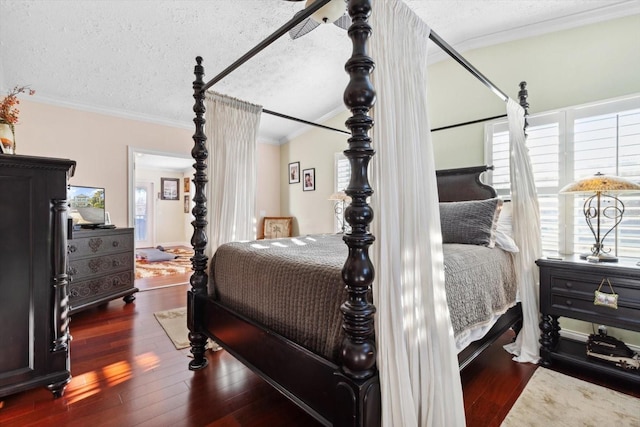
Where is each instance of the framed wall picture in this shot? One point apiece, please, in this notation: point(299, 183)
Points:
point(169, 189)
point(294, 173)
point(187, 185)
point(309, 179)
point(277, 226)
point(186, 204)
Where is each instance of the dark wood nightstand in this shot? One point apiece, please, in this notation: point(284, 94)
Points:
point(567, 289)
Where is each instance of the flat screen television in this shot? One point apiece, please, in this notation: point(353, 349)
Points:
point(86, 206)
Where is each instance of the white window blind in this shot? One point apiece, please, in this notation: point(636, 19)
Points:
point(572, 144)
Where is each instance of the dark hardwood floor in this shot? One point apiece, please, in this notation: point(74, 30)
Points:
point(126, 372)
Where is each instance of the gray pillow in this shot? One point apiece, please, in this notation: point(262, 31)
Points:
point(471, 222)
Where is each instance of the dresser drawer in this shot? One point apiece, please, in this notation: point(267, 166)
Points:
point(89, 290)
point(99, 245)
point(95, 266)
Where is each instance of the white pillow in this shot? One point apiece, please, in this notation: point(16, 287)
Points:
point(504, 229)
point(505, 242)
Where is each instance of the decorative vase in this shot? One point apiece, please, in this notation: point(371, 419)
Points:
point(7, 138)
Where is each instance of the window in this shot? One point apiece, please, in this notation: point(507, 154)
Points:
point(568, 145)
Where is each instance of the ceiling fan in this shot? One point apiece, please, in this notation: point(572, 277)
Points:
point(333, 12)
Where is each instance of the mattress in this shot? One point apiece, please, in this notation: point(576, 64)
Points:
point(294, 287)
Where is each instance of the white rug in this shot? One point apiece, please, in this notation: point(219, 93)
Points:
point(174, 323)
point(552, 399)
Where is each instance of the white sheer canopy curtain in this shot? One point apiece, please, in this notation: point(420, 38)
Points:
point(231, 128)
point(526, 233)
point(417, 361)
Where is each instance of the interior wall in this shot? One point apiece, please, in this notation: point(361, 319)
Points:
point(312, 211)
point(562, 69)
point(99, 144)
point(268, 187)
point(169, 214)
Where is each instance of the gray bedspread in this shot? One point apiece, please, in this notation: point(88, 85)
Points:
point(293, 286)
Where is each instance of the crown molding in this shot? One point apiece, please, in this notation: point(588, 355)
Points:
point(602, 14)
point(123, 114)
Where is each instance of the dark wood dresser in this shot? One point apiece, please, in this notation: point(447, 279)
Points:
point(567, 290)
point(101, 267)
point(33, 276)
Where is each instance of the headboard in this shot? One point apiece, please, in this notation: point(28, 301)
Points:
point(456, 185)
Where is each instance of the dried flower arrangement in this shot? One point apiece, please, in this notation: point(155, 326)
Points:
point(8, 111)
point(9, 117)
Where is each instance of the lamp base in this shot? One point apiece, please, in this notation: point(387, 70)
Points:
point(599, 257)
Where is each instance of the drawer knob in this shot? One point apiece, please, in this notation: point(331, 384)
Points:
point(72, 248)
point(569, 302)
point(569, 285)
point(116, 244)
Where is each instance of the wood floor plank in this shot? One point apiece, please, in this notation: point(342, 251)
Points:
point(127, 372)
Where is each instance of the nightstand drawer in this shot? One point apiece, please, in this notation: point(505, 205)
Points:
point(575, 306)
point(563, 283)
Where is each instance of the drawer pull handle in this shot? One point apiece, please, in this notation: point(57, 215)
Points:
point(569, 285)
point(72, 248)
point(116, 244)
point(569, 302)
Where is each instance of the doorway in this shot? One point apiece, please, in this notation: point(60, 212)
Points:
point(157, 221)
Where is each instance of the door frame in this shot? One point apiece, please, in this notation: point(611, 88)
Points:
point(131, 177)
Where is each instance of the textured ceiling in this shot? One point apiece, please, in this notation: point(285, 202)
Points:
point(136, 58)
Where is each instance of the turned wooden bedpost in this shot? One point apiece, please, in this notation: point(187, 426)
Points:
point(199, 278)
point(358, 380)
point(522, 98)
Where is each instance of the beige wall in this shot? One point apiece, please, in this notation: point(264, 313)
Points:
point(99, 144)
point(565, 68)
point(311, 210)
point(268, 188)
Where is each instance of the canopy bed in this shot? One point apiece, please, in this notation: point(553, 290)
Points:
point(326, 362)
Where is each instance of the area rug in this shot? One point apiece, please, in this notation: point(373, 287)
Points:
point(174, 323)
point(554, 399)
point(180, 265)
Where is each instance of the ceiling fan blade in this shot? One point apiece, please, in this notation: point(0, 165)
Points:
point(343, 22)
point(303, 27)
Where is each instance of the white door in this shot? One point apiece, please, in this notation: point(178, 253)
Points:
point(144, 215)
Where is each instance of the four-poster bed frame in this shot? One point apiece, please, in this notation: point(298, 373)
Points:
point(347, 394)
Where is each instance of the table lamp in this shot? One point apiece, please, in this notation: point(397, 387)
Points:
point(603, 187)
point(341, 199)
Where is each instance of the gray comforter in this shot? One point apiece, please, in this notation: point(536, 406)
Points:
point(294, 287)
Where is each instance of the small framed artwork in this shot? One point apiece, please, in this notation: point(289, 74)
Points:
point(169, 189)
point(309, 179)
point(186, 204)
point(294, 173)
point(187, 185)
point(277, 226)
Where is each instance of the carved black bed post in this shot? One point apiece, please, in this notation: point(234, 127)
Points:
point(199, 278)
point(357, 380)
point(522, 98)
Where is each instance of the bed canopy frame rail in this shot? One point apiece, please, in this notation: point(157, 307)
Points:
point(351, 391)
